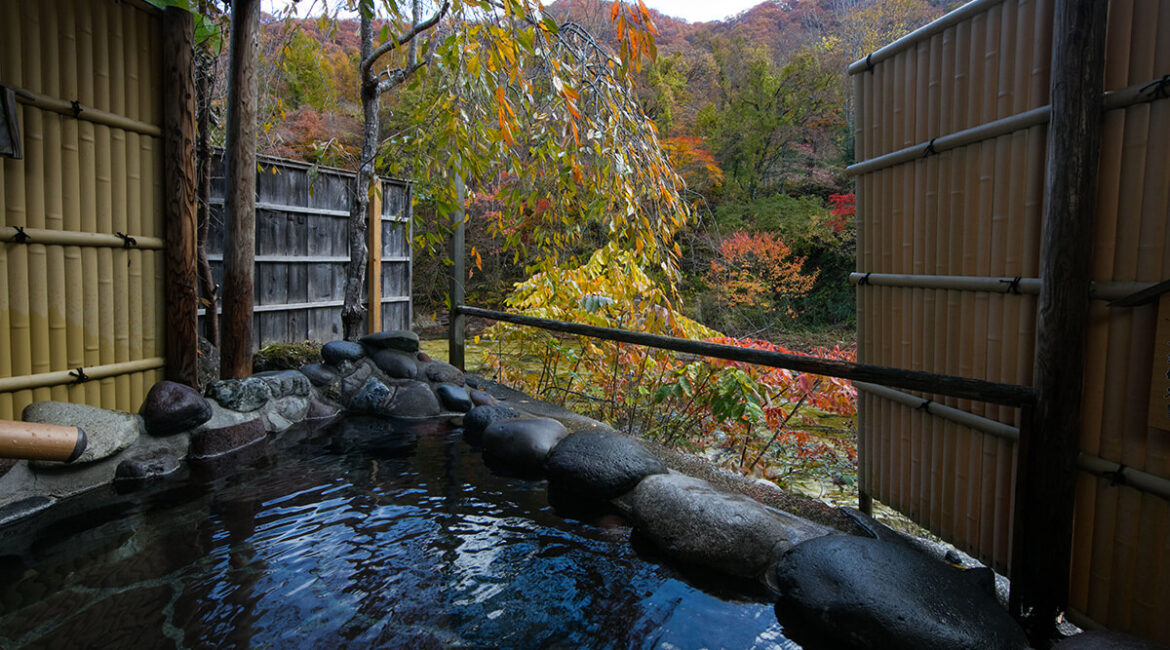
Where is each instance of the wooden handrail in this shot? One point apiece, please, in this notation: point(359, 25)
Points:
point(976, 389)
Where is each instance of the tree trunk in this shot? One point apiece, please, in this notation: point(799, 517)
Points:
point(240, 192)
point(182, 321)
point(355, 272)
point(204, 62)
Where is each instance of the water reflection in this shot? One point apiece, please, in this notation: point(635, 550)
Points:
point(406, 541)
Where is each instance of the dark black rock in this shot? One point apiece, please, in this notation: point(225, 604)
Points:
point(412, 399)
point(240, 394)
point(319, 374)
point(216, 442)
point(692, 521)
point(866, 593)
point(599, 464)
point(522, 444)
point(1102, 640)
point(24, 508)
point(404, 340)
point(171, 407)
point(478, 419)
point(396, 363)
point(444, 373)
point(370, 398)
point(336, 353)
point(454, 398)
point(285, 383)
point(483, 398)
point(146, 466)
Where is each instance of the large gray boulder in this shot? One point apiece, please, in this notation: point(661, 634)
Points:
point(171, 407)
point(412, 399)
point(396, 363)
point(282, 413)
point(371, 397)
point(454, 398)
point(210, 443)
point(285, 383)
point(404, 340)
point(860, 592)
point(107, 432)
point(522, 444)
point(240, 394)
point(319, 374)
point(441, 372)
point(477, 420)
point(338, 353)
point(599, 464)
point(692, 521)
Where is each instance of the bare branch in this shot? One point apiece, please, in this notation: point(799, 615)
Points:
point(397, 76)
point(407, 37)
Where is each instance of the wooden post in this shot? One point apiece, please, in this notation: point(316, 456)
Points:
point(240, 192)
point(374, 275)
point(458, 277)
point(1049, 441)
point(181, 335)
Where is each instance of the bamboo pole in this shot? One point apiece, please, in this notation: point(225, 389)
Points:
point(62, 377)
point(83, 239)
point(1047, 453)
point(15, 212)
point(240, 193)
point(374, 273)
point(5, 306)
point(949, 20)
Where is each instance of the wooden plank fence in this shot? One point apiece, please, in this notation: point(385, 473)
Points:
point(301, 250)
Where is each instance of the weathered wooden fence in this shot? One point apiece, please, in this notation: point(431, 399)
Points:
point(302, 250)
point(950, 141)
point(81, 217)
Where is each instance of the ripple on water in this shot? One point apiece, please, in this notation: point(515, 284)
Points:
point(326, 547)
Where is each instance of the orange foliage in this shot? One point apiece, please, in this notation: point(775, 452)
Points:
point(758, 270)
point(693, 162)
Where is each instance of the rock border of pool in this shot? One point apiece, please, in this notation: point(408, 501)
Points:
point(690, 511)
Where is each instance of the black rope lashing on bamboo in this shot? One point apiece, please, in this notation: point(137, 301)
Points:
point(925, 405)
point(1158, 88)
point(929, 150)
point(21, 237)
point(76, 108)
point(864, 280)
point(869, 62)
point(1117, 476)
point(1013, 285)
point(79, 376)
point(127, 240)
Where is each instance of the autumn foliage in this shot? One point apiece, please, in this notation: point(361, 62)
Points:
point(758, 271)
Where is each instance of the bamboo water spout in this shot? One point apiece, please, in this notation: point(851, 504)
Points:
point(36, 441)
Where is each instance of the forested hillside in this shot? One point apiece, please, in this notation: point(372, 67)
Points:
point(753, 112)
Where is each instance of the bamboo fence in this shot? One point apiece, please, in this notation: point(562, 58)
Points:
point(77, 299)
point(950, 141)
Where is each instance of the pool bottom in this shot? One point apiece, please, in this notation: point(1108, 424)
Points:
point(354, 538)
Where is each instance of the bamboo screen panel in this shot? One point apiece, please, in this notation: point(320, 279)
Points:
point(947, 201)
point(72, 297)
point(302, 250)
